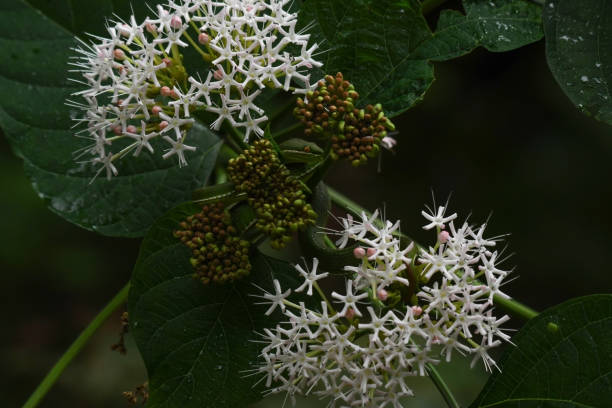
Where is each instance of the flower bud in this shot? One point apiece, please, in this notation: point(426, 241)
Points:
point(359, 252)
point(124, 30)
point(443, 237)
point(151, 28)
point(350, 313)
point(382, 294)
point(165, 91)
point(163, 124)
point(131, 129)
point(176, 22)
point(156, 109)
point(371, 252)
point(388, 142)
point(417, 310)
point(118, 54)
point(203, 38)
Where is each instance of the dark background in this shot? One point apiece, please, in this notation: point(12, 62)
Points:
point(494, 129)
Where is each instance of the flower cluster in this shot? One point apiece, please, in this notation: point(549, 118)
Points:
point(138, 88)
point(329, 111)
point(218, 253)
point(362, 352)
point(275, 195)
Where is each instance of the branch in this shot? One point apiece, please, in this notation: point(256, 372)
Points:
point(74, 349)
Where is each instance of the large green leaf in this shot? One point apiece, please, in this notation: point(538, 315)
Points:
point(80, 17)
point(196, 340)
point(33, 116)
point(497, 25)
point(579, 52)
point(562, 359)
point(371, 42)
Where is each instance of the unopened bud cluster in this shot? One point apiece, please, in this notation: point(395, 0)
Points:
point(329, 111)
point(275, 195)
point(218, 254)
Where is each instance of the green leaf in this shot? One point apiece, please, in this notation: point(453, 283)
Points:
point(81, 17)
point(500, 25)
point(578, 49)
point(196, 340)
point(372, 42)
point(33, 116)
point(300, 151)
point(562, 359)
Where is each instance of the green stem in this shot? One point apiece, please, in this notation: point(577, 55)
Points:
point(509, 305)
point(328, 242)
point(430, 5)
point(74, 349)
point(442, 387)
point(515, 308)
point(346, 203)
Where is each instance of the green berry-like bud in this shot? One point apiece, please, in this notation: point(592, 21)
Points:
point(216, 254)
point(272, 192)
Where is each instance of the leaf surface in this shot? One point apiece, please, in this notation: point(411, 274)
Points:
point(578, 49)
point(372, 44)
point(497, 25)
point(33, 115)
point(196, 340)
point(562, 359)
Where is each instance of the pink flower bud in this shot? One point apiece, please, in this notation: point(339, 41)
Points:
point(388, 142)
point(416, 310)
point(152, 28)
point(435, 340)
point(124, 30)
point(443, 237)
point(350, 313)
point(117, 130)
point(371, 252)
point(218, 74)
point(163, 124)
point(173, 94)
point(203, 38)
point(176, 22)
point(131, 129)
point(165, 91)
point(382, 294)
point(119, 102)
point(156, 109)
point(359, 252)
point(119, 54)
point(167, 61)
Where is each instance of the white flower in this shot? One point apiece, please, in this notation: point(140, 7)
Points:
point(275, 299)
point(310, 277)
point(178, 148)
point(365, 362)
point(437, 219)
point(126, 72)
point(142, 138)
point(350, 300)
